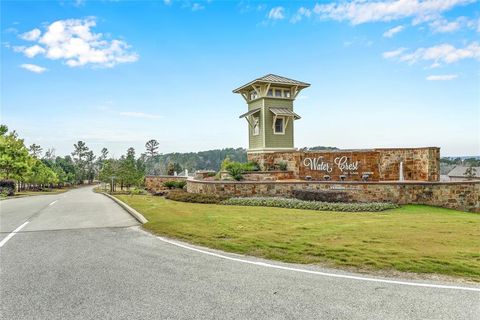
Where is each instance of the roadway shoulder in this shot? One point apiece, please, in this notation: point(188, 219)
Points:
point(134, 213)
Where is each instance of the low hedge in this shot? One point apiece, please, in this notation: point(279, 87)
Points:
point(7, 187)
point(183, 196)
point(322, 196)
point(309, 205)
point(175, 184)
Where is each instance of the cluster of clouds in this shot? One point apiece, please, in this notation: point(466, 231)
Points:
point(437, 56)
point(419, 12)
point(366, 11)
point(361, 11)
point(440, 54)
point(73, 42)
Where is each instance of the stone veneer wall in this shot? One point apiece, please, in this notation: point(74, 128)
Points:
point(155, 183)
point(455, 195)
point(419, 164)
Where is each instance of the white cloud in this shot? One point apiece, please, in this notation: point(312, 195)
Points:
point(441, 54)
point(167, 2)
point(33, 68)
point(442, 26)
point(139, 115)
point(393, 31)
point(197, 7)
point(394, 53)
point(300, 14)
point(31, 35)
point(442, 77)
point(74, 42)
point(363, 11)
point(33, 51)
point(277, 13)
point(79, 3)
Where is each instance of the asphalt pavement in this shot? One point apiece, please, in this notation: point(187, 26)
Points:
point(79, 255)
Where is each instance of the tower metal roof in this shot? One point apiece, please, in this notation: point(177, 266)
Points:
point(273, 78)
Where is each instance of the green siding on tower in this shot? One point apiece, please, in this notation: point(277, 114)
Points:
point(278, 140)
point(255, 142)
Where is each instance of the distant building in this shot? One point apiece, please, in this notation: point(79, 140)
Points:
point(458, 173)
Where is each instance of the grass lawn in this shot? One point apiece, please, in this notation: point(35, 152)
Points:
point(412, 238)
point(36, 193)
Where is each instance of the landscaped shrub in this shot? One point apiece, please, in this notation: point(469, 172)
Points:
point(7, 187)
point(237, 169)
point(183, 196)
point(181, 184)
point(309, 205)
point(323, 196)
point(282, 165)
point(175, 184)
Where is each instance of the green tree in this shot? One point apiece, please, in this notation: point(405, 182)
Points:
point(108, 172)
point(35, 150)
point(129, 172)
point(90, 166)
point(79, 155)
point(470, 172)
point(152, 148)
point(14, 157)
point(171, 169)
point(3, 129)
point(40, 175)
point(67, 165)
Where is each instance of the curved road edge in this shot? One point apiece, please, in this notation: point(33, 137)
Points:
point(134, 213)
point(265, 263)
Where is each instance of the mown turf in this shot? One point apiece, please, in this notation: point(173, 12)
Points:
point(412, 238)
point(21, 194)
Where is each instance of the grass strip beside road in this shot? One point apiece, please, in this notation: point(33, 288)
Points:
point(412, 238)
point(22, 194)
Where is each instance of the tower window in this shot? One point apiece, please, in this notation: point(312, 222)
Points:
point(286, 93)
point(278, 93)
point(279, 126)
point(270, 93)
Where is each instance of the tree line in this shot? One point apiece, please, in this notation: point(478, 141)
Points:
point(33, 169)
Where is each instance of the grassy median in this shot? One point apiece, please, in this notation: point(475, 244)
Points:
point(413, 238)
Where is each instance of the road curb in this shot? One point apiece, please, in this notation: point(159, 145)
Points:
point(134, 213)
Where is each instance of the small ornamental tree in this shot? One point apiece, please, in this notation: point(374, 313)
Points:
point(470, 172)
point(35, 150)
point(152, 148)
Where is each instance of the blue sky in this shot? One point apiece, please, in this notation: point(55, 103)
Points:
point(118, 73)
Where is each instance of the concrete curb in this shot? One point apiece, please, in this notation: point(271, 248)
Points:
point(134, 213)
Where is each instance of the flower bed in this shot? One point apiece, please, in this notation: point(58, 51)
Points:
point(309, 205)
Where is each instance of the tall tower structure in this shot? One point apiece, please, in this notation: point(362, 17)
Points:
point(270, 115)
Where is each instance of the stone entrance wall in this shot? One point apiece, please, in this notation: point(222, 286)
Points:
point(419, 164)
point(155, 183)
point(455, 195)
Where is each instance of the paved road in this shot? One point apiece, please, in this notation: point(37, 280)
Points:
point(82, 257)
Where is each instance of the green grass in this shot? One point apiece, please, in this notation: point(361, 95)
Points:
point(36, 193)
point(413, 238)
